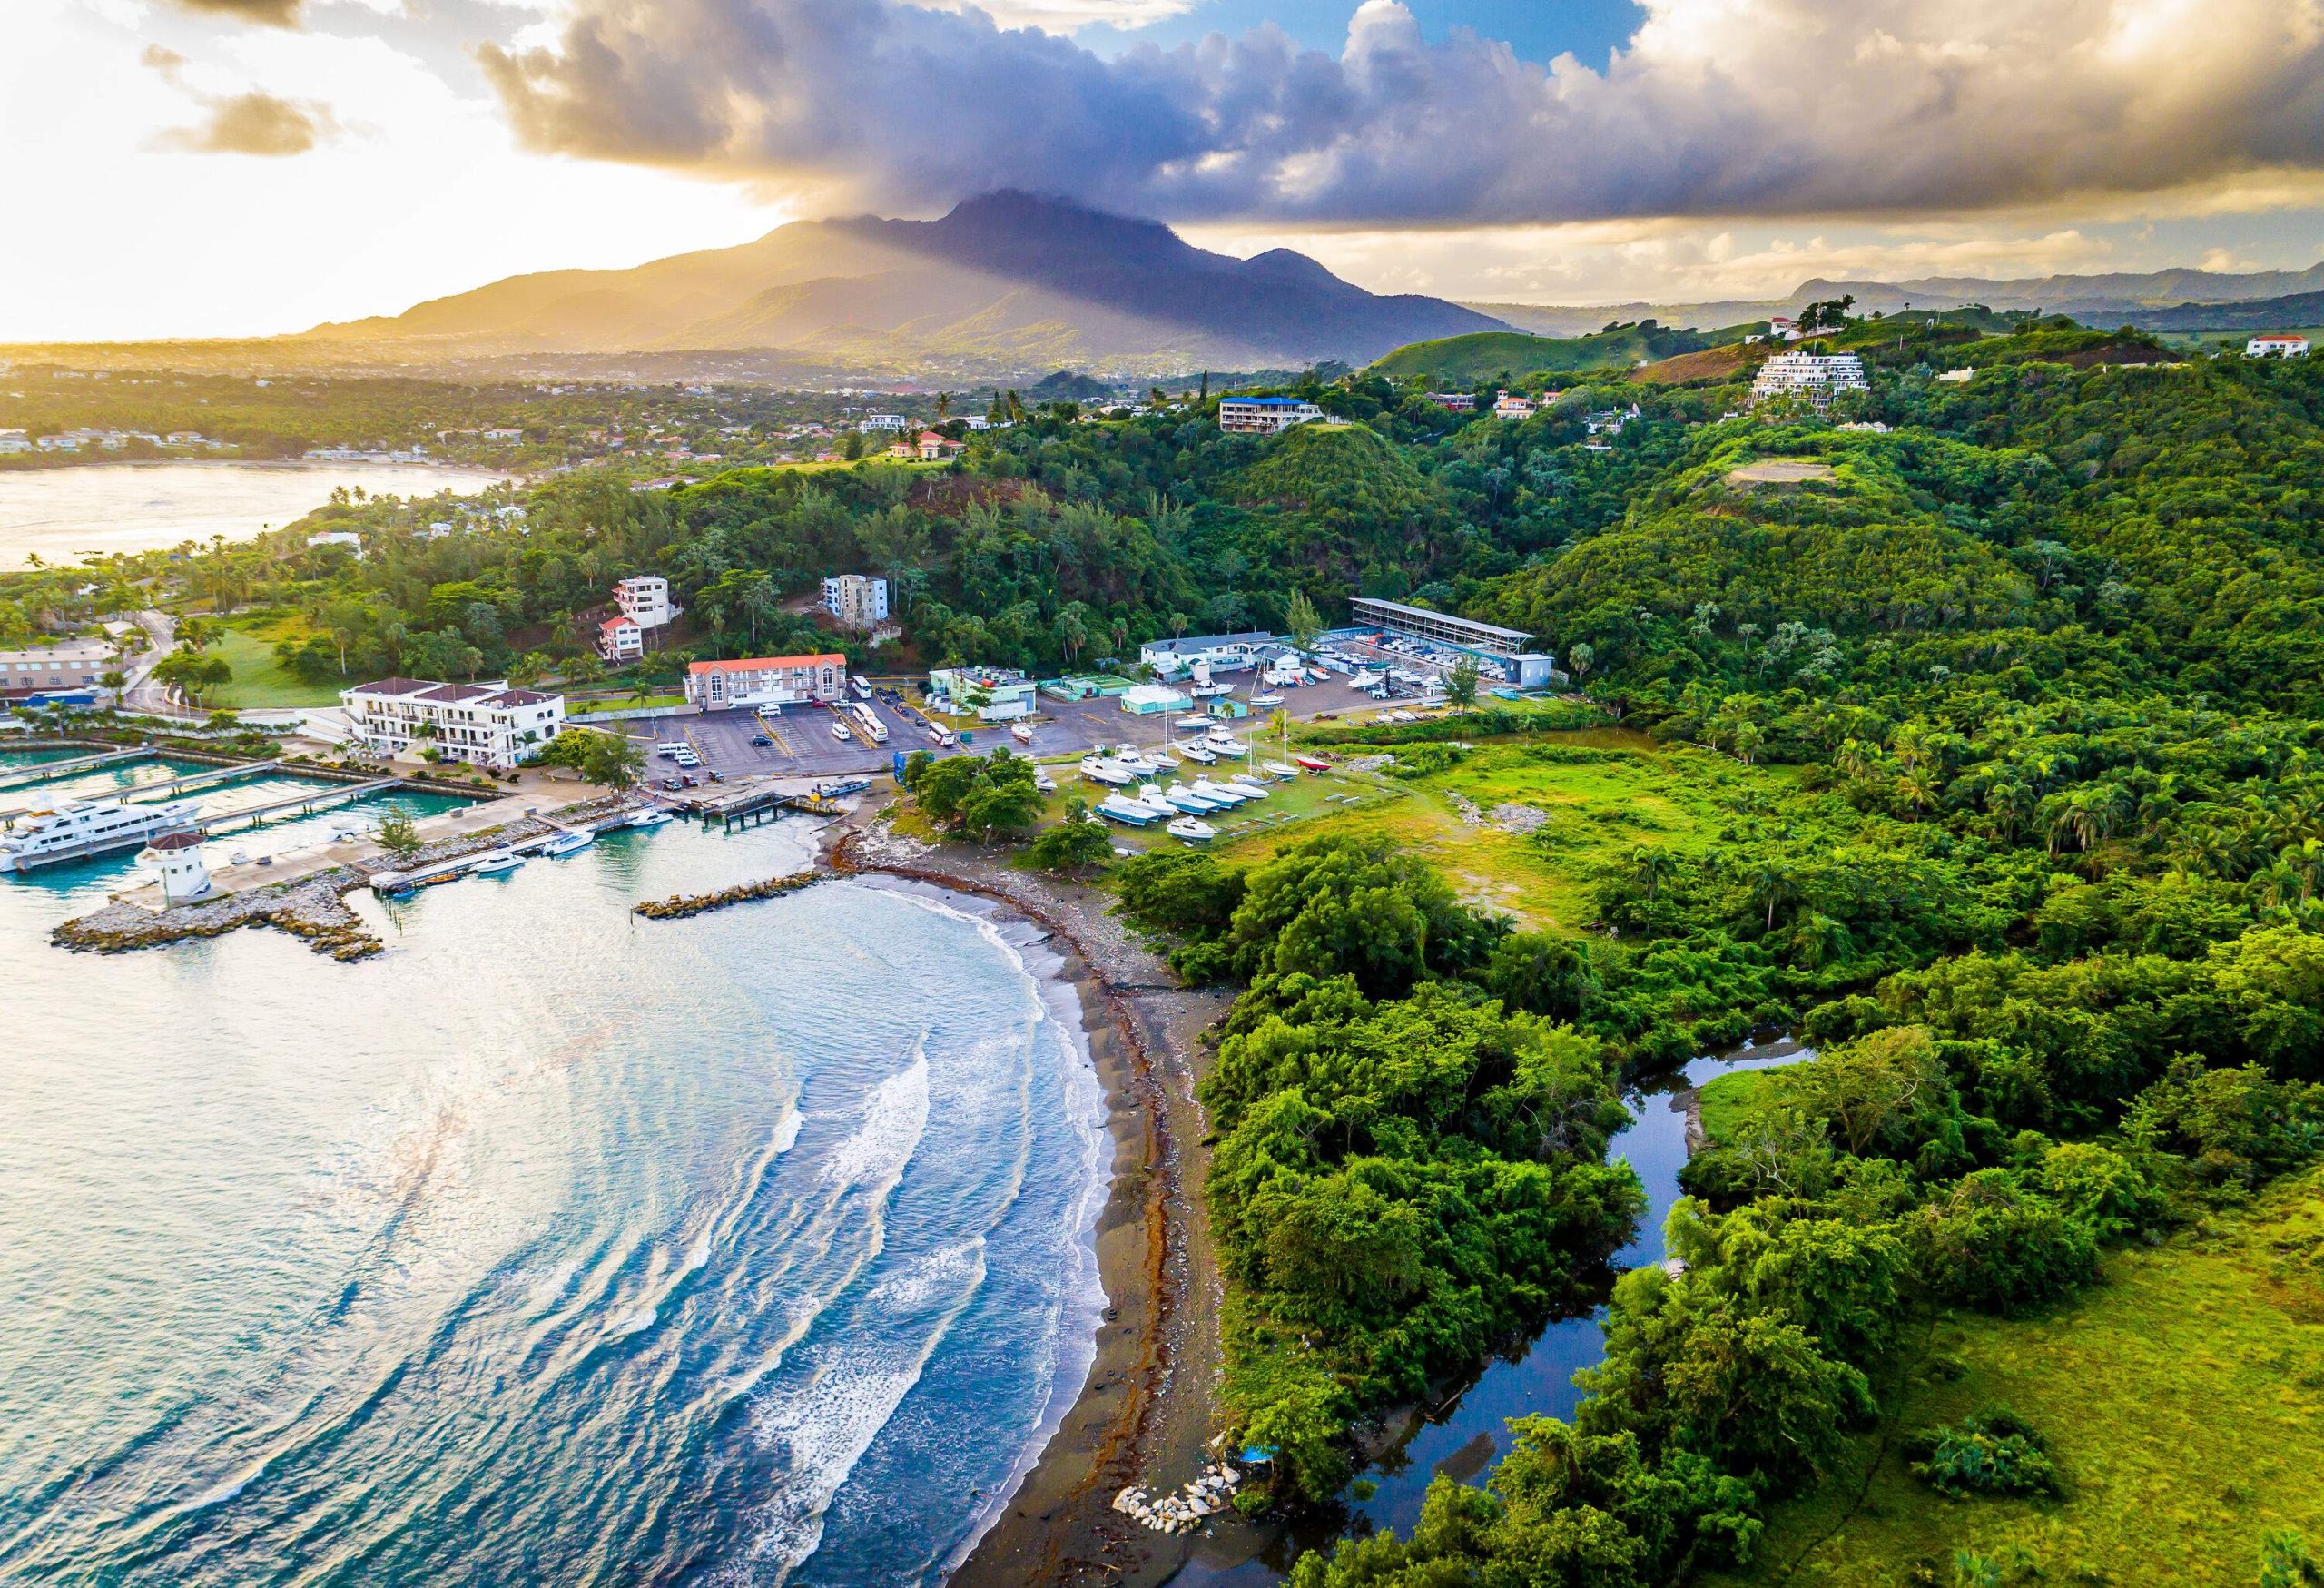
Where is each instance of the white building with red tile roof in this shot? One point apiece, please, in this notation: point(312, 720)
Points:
point(753, 681)
point(485, 724)
point(2276, 347)
point(621, 638)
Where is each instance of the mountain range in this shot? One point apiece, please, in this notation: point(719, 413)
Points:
point(2106, 300)
point(1004, 284)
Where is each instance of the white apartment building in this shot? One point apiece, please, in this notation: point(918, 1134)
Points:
point(645, 600)
point(857, 600)
point(1816, 378)
point(72, 664)
point(485, 724)
point(2276, 347)
point(1265, 416)
point(883, 421)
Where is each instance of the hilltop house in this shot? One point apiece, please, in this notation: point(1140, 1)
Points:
point(620, 639)
point(1265, 416)
point(2276, 347)
point(1813, 378)
point(1509, 406)
point(856, 600)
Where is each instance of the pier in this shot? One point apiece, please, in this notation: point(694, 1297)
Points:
point(755, 802)
point(45, 770)
point(303, 804)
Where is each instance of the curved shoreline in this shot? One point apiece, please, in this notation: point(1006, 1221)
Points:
point(1143, 1413)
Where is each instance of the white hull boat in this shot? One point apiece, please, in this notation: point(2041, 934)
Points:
point(1192, 831)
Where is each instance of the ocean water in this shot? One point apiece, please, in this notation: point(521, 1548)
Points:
point(551, 1246)
point(62, 515)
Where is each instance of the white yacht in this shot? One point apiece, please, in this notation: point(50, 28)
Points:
point(80, 828)
point(1105, 769)
point(1201, 755)
point(1220, 791)
point(1121, 808)
point(1191, 830)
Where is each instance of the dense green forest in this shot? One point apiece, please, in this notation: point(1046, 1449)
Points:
point(2029, 691)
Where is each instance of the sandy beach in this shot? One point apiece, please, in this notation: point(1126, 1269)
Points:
point(1145, 1416)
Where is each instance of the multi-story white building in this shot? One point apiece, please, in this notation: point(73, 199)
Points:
point(883, 421)
point(1265, 416)
point(753, 681)
point(857, 600)
point(72, 664)
point(485, 724)
point(2276, 347)
point(620, 639)
point(645, 600)
point(1815, 378)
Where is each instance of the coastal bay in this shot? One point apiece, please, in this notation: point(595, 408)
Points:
point(62, 515)
point(767, 1232)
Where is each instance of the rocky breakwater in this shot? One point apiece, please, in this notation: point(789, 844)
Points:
point(313, 908)
point(679, 906)
point(1189, 1506)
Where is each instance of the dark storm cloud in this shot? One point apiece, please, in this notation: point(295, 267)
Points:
point(1717, 107)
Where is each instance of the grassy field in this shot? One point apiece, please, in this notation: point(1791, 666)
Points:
point(2183, 1399)
point(1525, 828)
point(259, 681)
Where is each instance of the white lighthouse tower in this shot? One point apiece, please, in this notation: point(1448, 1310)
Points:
point(177, 856)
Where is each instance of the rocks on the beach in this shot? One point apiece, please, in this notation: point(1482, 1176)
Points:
point(685, 904)
point(1185, 1508)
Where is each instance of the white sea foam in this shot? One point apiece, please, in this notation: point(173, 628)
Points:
point(817, 1425)
point(786, 1134)
point(895, 1118)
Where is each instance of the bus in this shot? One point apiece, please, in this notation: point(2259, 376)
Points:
point(872, 728)
point(861, 686)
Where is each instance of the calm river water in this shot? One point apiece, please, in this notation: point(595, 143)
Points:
point(553, 1247)
point(63, 514)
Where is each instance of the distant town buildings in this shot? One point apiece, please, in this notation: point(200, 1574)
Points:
point(856, 600)
point(1509, 406)
point(1812, 378)
point(74, 663)
point(15, 441)
point(2276, 347)
point(1265, 416)
point(756, 681)
point(484, 725)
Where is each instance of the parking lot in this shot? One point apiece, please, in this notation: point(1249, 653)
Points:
point(801, 742)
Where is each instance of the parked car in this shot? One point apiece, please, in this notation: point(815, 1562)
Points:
point(761, 740)
point(671, 783)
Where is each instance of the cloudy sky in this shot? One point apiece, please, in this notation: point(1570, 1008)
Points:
point(227, 167)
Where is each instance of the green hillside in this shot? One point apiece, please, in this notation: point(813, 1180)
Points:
point(1462, 361)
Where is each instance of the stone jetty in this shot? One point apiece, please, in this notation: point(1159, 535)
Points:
point(682, 905)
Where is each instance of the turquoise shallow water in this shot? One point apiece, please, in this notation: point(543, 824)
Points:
point(553, 1247)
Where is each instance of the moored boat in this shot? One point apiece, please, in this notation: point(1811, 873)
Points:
point(500, 863)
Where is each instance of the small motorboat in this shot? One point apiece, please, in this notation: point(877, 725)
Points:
point(1043, 782)
point(1126, 811)
point(498, 864)
point(1105, 769)
point(1022, 732)
point(1281, 771)
point(652, 816)
point(1191, 830)
point(1193, 803)
point(1201, 754)
point(1194, 724)
point(1250, 785)
point(566, 844)
point(1313, 762)
point(1267, 700)
point(1154, 800)
point(1220, 791)
point(1226, 745)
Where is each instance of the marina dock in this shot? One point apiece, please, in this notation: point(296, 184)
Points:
point(48, 771)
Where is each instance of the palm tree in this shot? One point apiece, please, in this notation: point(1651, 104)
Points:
point(1653, 864)
point(1772, 885)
